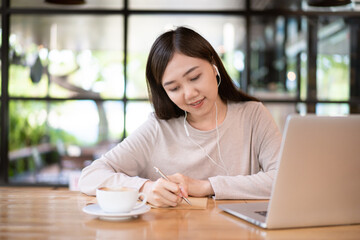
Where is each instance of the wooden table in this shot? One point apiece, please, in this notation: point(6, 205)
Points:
point(44, 213)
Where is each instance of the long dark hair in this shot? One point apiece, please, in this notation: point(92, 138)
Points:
point(188, 42)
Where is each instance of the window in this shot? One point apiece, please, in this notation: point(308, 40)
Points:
point(73, 76)
point(63, 56)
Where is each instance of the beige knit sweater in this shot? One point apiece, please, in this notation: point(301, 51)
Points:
point(249, 146)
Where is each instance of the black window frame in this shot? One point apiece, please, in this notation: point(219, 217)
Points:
point(247, 13)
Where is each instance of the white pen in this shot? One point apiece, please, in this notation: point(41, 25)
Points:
point(163, 176)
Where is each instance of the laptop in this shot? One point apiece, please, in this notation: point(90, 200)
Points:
point(318, 177)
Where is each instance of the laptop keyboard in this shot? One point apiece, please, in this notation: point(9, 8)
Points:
point(262, 213)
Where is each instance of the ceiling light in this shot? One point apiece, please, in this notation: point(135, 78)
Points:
point(328, 3)
point(66, 2)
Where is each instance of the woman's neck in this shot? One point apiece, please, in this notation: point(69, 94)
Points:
point(208, 122)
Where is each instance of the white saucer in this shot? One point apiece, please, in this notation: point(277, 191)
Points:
point(94, 209)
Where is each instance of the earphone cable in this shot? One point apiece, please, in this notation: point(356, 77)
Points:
point(217, 143)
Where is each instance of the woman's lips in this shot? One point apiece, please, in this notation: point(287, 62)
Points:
point(197, 104)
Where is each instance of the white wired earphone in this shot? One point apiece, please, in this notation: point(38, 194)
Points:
point(217, 136)
point(218, 74)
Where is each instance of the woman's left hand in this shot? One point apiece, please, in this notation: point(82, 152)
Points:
point(192, 187)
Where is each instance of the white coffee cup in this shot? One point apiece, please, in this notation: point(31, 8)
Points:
point(119, 199)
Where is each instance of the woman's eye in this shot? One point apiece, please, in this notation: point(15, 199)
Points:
point(196, 77)
point(173, 89)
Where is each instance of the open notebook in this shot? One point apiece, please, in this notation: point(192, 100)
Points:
point(196, 203)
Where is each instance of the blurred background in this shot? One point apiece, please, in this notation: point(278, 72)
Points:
point(73, 71)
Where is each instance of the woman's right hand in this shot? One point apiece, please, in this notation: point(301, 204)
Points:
point(162, 193)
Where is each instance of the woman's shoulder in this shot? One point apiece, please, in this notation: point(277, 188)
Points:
point(250, 111)
point(164, 126)
point(248, 106)
point(254, 115)
point(169, 128)
point(153, 119)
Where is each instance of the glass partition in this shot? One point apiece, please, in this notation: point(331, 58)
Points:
point(136, 114)
point(68, 4)
point(203, 5)
point(54, 137)
point(276, 63)
point(71, 97)
point(66, 56)
point(332, 109)
point(292, 5)
point(333, 59)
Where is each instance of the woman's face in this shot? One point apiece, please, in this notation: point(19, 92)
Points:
point(191, 84)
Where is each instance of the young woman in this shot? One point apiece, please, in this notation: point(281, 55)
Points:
point(206, 135)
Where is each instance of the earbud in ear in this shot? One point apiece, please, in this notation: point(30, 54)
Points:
point(216, 69)
point(218, 77)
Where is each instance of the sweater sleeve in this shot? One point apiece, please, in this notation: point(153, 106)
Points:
point(265, 141)
point(123, 164)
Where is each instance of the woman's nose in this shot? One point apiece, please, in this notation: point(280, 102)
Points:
point(189, 92)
